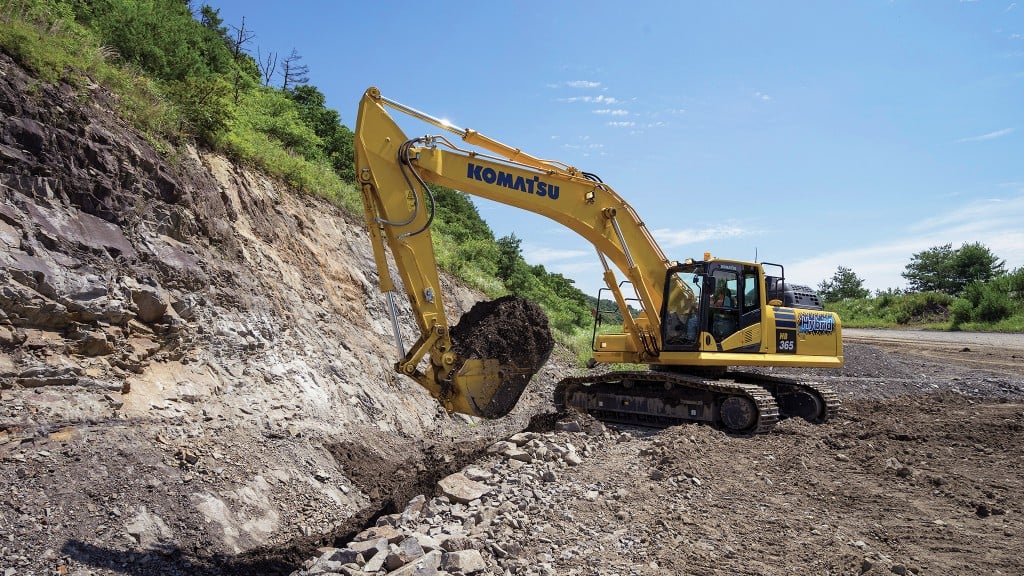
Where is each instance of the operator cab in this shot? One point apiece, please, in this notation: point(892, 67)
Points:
point(716, 299)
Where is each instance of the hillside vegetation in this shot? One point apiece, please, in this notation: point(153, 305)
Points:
point(190, 78)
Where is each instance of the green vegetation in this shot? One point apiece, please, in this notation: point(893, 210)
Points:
point(963, 289)
point(894, 309)
point(843, 284)
point(994, 305)
point(942, 269)
point(180, 77)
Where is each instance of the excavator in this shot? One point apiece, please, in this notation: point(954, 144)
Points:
point(690, 325)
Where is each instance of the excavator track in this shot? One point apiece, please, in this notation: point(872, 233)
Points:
point(740, 403)
point(661, 399)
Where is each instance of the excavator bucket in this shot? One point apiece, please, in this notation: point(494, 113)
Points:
point(504, 343)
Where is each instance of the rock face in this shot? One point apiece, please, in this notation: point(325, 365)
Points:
point(191, 342)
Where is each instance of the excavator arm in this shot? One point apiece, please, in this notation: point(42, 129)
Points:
point(393, 171)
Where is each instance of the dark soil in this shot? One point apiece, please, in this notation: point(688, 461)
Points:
point(513, 331)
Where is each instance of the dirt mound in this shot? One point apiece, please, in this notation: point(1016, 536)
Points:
point(513, 331)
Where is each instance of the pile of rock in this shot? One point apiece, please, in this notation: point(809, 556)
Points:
point(471, 526)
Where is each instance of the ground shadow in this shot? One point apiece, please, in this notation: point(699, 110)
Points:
point(171, 561)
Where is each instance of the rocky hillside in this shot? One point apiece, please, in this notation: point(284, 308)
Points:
point(193, 359)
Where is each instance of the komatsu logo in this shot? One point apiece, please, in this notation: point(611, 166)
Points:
point(817, 324)
point(506, 180)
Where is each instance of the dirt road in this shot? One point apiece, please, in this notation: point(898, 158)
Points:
point(978, 349)
point(919, 338)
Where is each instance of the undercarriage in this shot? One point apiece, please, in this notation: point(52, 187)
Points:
point(737, 402)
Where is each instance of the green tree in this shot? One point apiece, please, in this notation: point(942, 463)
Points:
point(844, 284)
point(943, 269)
point(975, 263)
point(509, 254)
point(337, 140)
point(162, 37)
point(513, 270)
point(457, 216)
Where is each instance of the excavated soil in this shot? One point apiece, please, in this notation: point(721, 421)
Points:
point(513, 331)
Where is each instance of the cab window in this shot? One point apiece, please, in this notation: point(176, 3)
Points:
point(751, 299)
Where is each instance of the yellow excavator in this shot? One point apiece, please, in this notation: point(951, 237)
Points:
point(691, 322)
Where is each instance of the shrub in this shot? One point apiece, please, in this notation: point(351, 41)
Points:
point(994, 306)
point(962, 311)
point(922, 306)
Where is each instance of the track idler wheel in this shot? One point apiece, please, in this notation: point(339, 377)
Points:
point(738, 414)
point(803, 404)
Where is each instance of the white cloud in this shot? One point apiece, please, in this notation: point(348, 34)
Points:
point(612, 112)
point(582, 84)
point(1010, 7)
point(590, 146)
point(539, 255)
point(622, 124)
point(590, 99)
point(994, 223)
point(989, 136)
point(762, 96)
point(669, 238)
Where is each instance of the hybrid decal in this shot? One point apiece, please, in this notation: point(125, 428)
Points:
point(817, 323)
point(506, 180)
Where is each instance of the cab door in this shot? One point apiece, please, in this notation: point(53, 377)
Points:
point(685, 311)
point(750, 313)
point(725, 303)
point(735, 306)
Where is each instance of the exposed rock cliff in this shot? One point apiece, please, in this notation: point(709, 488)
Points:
point(201, 354)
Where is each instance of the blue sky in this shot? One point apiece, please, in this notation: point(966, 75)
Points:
point(812, 134)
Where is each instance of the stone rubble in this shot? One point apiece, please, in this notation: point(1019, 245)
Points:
point(480, 521)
